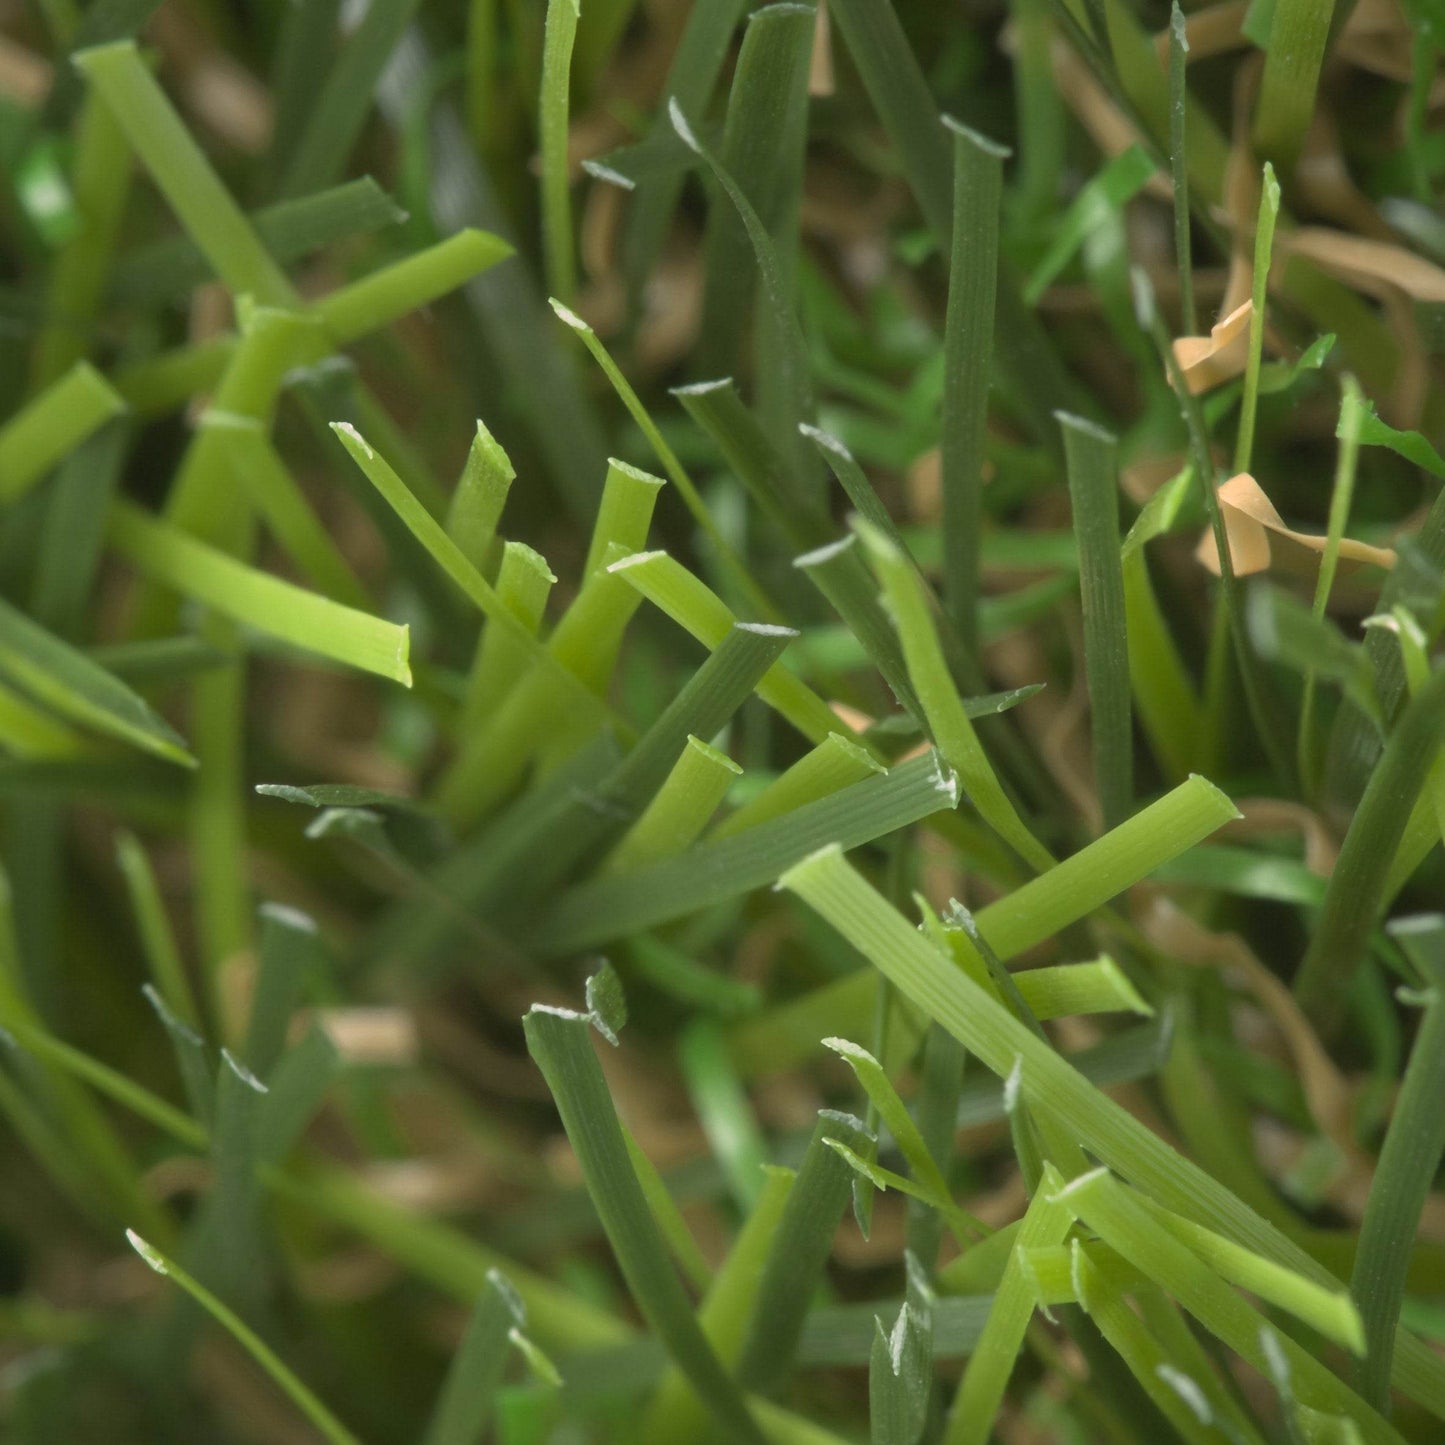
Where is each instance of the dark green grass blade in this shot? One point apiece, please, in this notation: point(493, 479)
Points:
point(713, 872)
point(466, 1398)
point(1094, 493)
point(1356, 889)
point(341, 108)
point(290, 230)
point(692, 78)
point(290, 950)
point(791, 372)
point(968, 349)
point(762, 146)
point(561, 1043)
point(900, 94)
point(79, 689)
point(799, 1252)
point(1408, 1160)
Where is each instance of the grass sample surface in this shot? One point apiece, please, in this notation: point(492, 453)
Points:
point(722, 722)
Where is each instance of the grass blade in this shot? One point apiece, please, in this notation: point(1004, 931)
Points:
point(675, 1412)
point(670, 587)
point(948, 721)
point(762, 143)
point(681, 809)
point(289, 230)
point(722, 1107)
point(713, 872)
point(1408, 1160)
point(1263, 251)
point(183, 173)
point(51, 425)
point(558, 38)
point(561, 1044)
point(1356, 892)
point(315, 624)
point(1179, 167)
point(967, 365)
point(1040, 908)
point(68, 681)
point(985, 1378)
point(1094, 494)
point(798, 1253)
point(326, 1424)
point(465, 1402)
point(1298, 37)
point(339, 110)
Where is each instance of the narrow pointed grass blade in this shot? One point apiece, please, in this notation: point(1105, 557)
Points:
point(762, 140)
point(948, 721)
point(559, 36)
point(336, 116)
point(1356, 891)
point(193, 1061)
point(968, 348)
point(321, 1418)
point(290, 950)
point(561, 1043)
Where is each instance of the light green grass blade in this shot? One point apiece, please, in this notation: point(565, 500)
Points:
point(1094, 495)
point(178, 166)
point(985, 1378)
point(256, 599)
point(1071, 890)
point(947, 719)
point(54, 423)
point(558, 249)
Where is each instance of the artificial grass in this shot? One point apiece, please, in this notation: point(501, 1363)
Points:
point(466, 792)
